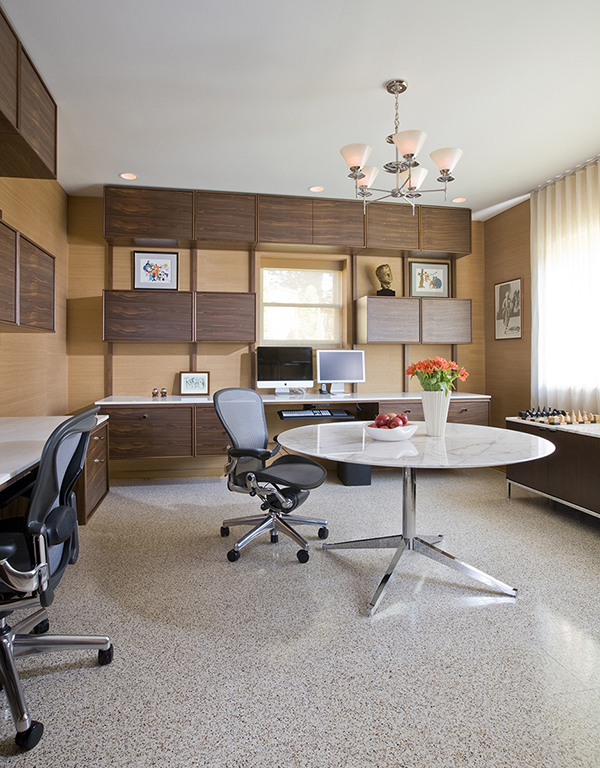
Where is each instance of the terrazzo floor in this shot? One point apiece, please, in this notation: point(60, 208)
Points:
point(268, 662)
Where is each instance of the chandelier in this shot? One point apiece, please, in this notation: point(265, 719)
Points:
point(409, 175)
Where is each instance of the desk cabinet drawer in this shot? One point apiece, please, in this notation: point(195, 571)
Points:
point(412, 408)
point(211, 438)
point(93, 485)
point(150, 431)
point(469, 412)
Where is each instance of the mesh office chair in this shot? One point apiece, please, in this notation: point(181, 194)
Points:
point(282, 486)
point(34, 552)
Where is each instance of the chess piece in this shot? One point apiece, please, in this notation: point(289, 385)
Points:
point(155, 392)
point(384, 275)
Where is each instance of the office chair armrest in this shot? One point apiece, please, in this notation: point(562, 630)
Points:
point(60, 524)
point(254, 453)
point(7, 549)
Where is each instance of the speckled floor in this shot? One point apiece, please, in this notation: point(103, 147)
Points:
point(267, 662)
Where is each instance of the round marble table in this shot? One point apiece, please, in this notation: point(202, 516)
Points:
point(463, 445)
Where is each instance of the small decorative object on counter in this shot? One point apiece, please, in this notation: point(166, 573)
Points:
point(163, 392)
point(155, 392)
point(436, 376)
point(385, 277)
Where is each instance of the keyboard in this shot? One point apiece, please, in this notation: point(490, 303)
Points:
point(316, 413)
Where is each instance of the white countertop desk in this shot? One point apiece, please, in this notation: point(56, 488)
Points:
point(464, 445)
point(22, 440)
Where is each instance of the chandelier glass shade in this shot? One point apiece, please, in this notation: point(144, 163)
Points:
point(408, 173)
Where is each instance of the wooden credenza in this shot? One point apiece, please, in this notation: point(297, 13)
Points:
point(569, 475)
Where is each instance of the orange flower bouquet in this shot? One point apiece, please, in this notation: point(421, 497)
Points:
point(436, 374)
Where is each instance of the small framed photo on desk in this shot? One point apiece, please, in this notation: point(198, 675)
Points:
point(193, 383)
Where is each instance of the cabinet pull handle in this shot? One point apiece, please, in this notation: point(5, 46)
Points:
point(98, 437)
point(145, 416)
point(464, 410)
point(407, 410)
point(98, 461)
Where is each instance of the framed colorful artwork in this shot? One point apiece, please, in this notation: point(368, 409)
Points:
point(193, 383)
point(155, 270)
point(429, 279)
point(507, 308)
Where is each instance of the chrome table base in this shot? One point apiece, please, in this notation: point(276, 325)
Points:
point(423, 545)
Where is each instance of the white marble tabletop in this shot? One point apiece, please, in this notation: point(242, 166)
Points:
point(22, 440)
point(464, 445)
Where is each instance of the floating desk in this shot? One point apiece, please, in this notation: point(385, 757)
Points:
point(464, 446)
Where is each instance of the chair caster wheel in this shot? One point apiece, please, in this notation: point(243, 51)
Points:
point(274, 537)
point(41, 628)
point(224, 531)
point(105, 657)
point(323, 533)
point(232, 555)
point(29, 738)
point(302, 555)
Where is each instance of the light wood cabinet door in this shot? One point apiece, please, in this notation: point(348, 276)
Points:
point(388, 320)
point(446, 321)
point(445, 230)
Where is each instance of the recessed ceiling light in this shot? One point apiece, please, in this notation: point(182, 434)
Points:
point(460, 200)
point(316, 189)
point(128, 176)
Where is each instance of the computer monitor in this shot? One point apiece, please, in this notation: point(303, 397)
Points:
point(338, 367)
point(284, 367)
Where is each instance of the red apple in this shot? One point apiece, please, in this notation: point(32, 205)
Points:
point(391, 415)
point(372, 425)
point(381, 420)
point(395, 422)
point(384, 427)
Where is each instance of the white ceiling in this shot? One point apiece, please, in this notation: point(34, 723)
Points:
point(260, 96)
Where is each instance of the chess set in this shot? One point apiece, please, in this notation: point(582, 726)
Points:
point(554, 416)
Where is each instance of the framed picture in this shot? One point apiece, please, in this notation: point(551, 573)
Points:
point(155, 270)
point(507, 306)
point(193, 383)
point(429, 279)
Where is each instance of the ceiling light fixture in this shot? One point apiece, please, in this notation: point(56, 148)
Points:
point(316, 189)
point(409, 174)
point(128, 176)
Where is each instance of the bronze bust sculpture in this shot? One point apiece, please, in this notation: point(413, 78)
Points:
point(385, 277)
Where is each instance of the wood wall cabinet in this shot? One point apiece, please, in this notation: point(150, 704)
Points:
point(140, 432)
point(224, 216)
point(148, 315)
point(146, 213)
point(338, 222)
point(36, 287)
point(8, 274)
point(93, 483)
point(446, 321)
point(27, 113)
point(211, 438)
point(445, 230)
point(226, 317)
point(393, 225)
point(388, 320)
point(285, 219)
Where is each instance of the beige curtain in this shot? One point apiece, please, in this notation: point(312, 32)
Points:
point(565, 273)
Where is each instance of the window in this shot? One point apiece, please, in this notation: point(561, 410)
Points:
point(301, 305)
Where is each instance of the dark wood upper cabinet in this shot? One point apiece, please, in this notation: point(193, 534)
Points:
point(8, 274)
point(338, 222)
point(27, 113)
point(143, 212)
point(36, 287)
point(225, 216)
point(392, 225)
point(226, 317)
point(9, 67)
point(285, 219)
point(148, 315)
point(445, 230)
point(446, 321)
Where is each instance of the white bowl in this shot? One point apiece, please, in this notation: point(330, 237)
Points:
point(392, 435)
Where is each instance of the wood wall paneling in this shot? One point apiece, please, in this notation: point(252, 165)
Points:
point(145, 212)
point(151, 315)
point(338, 222)
point(8, 274)
point(446, 230)
point(224, 216)
point(392, 225)
point(446, 321)
point(36, 287)
point(226, 317)
point(285, 219)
